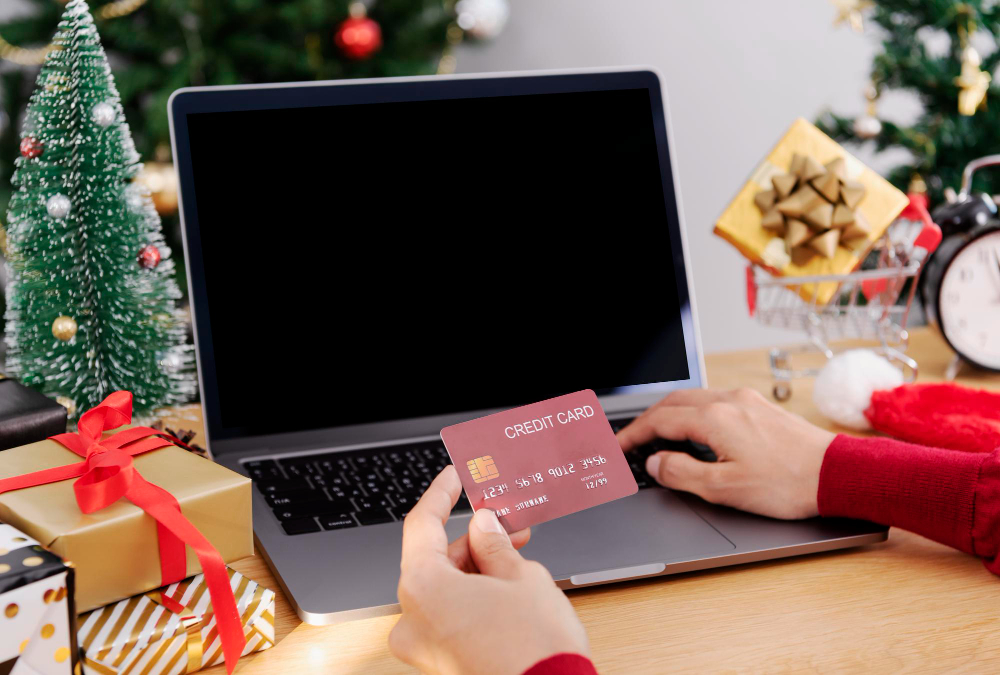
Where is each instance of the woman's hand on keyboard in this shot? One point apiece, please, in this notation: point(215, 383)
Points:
point(476, 591)
point(769, 458)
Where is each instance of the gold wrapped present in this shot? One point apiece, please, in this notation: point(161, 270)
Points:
point(172, 630)
point(810, 208)
point(115, 550)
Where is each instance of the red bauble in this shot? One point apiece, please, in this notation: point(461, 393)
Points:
point(358, 37)
point(149, 257)
point(31, 147)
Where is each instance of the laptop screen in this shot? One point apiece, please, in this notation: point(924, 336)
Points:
point(373, 262)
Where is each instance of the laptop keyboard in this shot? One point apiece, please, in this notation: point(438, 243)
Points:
point(340, 490)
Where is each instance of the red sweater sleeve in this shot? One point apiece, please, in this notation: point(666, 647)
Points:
point(949, 496)
point(563, 664)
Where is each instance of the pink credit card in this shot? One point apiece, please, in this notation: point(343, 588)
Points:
point(540, 461)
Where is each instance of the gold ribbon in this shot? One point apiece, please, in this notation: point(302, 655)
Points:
point(195, 650)
point(191, 625)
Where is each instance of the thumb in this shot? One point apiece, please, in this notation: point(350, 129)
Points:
point(490, 546)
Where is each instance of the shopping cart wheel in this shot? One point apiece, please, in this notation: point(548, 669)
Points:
point(782, 391)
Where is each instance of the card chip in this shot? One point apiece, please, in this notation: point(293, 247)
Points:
point(483, 468)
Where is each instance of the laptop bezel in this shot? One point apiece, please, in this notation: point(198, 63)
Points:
point(265, 96)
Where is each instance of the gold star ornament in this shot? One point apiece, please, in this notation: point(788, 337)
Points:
point(972, 83)
point(850, 12)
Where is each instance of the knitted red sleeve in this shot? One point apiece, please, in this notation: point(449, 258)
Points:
point(563, 664)
point(949, 496)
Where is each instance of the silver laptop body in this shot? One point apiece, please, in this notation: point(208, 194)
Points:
point(293, 420)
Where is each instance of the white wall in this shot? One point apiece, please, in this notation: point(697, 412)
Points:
point(737, 72)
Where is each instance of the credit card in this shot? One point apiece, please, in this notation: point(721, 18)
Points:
point(540, 461)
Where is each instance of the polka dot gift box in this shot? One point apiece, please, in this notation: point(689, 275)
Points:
point(37, 632)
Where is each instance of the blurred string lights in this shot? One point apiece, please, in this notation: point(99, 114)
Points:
point(482, 19)
point(358, 37)
point(36, 56)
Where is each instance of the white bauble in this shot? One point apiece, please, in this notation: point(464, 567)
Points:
point(104, 113)
point(58, 206)
point(844, 387)
point(483, 19)
point(867, 126)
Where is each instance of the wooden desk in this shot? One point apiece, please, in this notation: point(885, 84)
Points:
point(908, 604)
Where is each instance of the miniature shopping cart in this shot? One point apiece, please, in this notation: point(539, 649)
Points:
point(870, 305)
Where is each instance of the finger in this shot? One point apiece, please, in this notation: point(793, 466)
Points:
point(458, 550)
point(491, 548)
point(680, 471)
point(676, 423)
point(458, 554)
point(693, 397)
point(689, 398)
point(423, 527)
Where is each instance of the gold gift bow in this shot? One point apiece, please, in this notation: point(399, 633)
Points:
point(809, 184)
point(191, 624)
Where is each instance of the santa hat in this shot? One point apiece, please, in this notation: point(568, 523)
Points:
point(861, 390)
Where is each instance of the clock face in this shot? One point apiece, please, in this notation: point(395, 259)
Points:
point(969, 301)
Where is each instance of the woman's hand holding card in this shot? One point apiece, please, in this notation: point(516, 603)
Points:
point(475, 605)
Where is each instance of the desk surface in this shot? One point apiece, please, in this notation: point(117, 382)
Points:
point(908, 604)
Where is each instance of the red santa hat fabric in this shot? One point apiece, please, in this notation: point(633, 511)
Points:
point(938, 415)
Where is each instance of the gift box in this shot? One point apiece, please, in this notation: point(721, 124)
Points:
point(37, 629)
point(27, 416)
point(172, 630)
point(810, 208)
point(118, 550)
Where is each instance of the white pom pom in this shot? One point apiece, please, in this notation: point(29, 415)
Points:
point(844, 387)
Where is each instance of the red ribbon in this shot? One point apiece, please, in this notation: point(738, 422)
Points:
point(107, 474)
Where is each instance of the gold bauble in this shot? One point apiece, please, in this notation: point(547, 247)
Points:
point(161, 180)
point(64, 328)
point(68, 403)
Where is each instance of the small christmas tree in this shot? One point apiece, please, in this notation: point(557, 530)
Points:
point(91, 294)
point(927, 49)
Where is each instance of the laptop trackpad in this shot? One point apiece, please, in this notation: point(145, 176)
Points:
point(635, 535)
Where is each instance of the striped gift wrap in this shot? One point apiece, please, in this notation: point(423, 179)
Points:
point(144, 635)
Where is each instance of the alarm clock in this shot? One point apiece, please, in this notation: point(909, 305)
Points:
point(961, 282)
point(968, 299)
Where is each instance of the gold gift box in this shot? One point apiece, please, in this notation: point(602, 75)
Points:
point(115, 550)
point(740, 223)
point(141, 635)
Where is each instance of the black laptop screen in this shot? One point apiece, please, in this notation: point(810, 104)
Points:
point(372, 262)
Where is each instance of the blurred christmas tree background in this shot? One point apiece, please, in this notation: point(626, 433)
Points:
point(158, 46)
point(944, 52)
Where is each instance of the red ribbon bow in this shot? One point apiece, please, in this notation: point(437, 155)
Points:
point(107, 474)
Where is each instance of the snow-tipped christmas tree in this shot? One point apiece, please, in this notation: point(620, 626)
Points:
point(91, 297)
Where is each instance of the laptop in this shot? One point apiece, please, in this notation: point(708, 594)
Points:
point(369, 261)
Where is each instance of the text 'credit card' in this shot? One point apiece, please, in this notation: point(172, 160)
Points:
point(540, 461)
